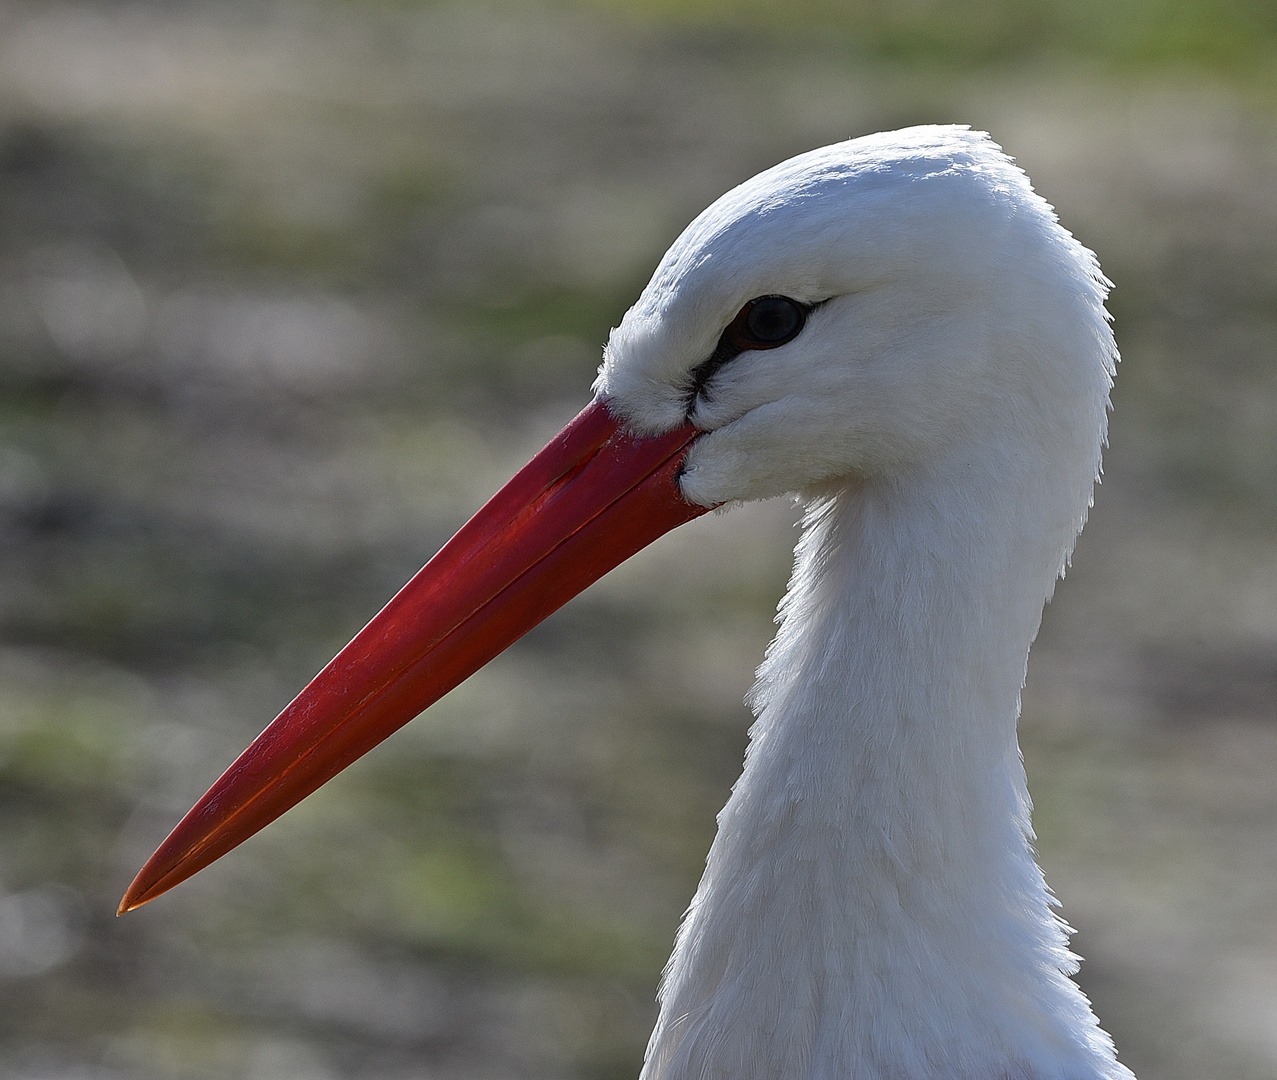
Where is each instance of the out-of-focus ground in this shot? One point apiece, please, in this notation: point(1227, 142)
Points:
point(286, 290)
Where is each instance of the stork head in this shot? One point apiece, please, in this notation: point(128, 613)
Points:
point(871, 307)
point(861, 309)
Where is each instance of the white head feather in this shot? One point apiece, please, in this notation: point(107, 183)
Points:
point(871, 907)
point(956, 301)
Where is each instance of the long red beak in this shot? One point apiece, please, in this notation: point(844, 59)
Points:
point(587, 502)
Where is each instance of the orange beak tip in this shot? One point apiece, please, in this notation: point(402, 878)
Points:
point(137, 894)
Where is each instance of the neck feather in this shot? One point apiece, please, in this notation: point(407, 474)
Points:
point(871, 907)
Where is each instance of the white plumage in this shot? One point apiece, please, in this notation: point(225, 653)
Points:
point(899, 330)
point(871, 907)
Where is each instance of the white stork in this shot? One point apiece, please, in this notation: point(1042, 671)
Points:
point(898, 329)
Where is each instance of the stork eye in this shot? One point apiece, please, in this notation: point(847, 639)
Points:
point(766, 322)
point(769, 321)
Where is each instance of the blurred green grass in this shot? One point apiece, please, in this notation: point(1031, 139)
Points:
point(1131, 36)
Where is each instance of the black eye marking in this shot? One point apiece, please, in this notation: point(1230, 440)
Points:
point(766, 322)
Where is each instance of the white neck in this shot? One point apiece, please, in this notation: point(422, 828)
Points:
point(871, 908)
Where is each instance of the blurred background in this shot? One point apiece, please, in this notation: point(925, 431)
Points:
point(288, 288)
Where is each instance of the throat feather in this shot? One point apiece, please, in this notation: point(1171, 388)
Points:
point(871, 907)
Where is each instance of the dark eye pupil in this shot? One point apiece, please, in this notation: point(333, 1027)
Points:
point(773, 320)
point(766, 322)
